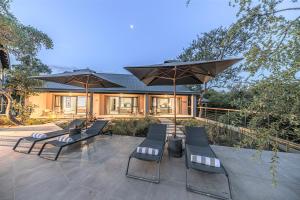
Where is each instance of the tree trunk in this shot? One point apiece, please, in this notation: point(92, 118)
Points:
point(8, 113)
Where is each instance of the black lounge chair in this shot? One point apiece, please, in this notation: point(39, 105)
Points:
point(94, 130)
point(197, 144)
point(156, 138)
point(73, 124)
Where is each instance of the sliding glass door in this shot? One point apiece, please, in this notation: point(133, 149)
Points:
point(70, 104)
point(165, 105)
point(121, 105)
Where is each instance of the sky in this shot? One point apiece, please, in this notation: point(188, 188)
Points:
point(107, 35)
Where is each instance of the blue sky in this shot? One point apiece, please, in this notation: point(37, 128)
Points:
point(106, 35)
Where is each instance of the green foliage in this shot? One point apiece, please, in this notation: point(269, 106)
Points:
point(23, 111)
point(19, 39)
point(236, 98)
point(18, 77)
point(4, 121)
point(23, 42)
point(133, 127)
point(272, 49)
point(280, 104)
point(29, 121)
point(274, 42)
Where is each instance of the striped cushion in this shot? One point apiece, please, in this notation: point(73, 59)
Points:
point(38, 135)
point(65, 139)
point(147, 150)
point(214, 162)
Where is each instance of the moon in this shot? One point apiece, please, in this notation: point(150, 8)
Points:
point(131, 26)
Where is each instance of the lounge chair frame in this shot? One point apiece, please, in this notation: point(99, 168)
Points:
point(197, 190)
point(60, 147)
point(156, 178)
point(35, 140)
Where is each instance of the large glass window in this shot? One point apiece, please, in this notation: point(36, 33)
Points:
point(165, 105)
point(122, 105)
point(81, 105)
point(70, 104)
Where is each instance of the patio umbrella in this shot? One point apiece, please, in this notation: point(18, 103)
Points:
point(84, 78)
point(180, 73)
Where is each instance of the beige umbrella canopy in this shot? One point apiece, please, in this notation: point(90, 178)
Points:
point(181, 73)
point(84, 78)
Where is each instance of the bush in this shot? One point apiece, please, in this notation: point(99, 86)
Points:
point(30, 121)
point(190, 122)
point(137, 127)
point(36, 121)
point(23, 111)
point(5, 122)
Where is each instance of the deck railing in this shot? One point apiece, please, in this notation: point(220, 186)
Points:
point(238, 121)
point(225, 115)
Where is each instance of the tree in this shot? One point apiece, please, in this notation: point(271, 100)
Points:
point(272, 60)
point(275, 39)
point(20, 40)
point(19, 81)
point(216, 45)
point(272, 53)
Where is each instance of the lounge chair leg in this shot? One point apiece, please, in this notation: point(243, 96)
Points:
point(158, 175)
point(196, 190)
point(128, 165)
point(229, 186)
point(59, 150)
point(18, 142)
point(41, 150)
point(154, 180)
point(31, 147)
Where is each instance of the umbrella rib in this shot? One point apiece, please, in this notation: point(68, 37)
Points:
point(191, 76)
point(162, 72)
point(147, 75)
point(208, 74)
point(75, 80)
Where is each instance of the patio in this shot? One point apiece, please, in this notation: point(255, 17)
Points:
point(97, 171)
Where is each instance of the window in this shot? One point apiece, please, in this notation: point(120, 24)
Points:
point(70, 104)
point(164, 105)
point(57, 101)
point(81, 104)
point(122, 105)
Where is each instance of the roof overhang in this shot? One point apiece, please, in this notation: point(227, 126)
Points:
point(115, 91)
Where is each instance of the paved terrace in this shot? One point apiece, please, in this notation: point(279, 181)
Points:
point(96, 170)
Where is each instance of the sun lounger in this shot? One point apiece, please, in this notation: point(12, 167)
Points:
point(197, 144)
point(53, 134)
point(94, 130)
point(156, 138)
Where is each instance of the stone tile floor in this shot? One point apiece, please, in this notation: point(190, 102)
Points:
point(96, 170)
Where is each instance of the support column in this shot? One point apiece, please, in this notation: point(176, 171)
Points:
point(146, 104)
point(193, 105)
point(91, 104)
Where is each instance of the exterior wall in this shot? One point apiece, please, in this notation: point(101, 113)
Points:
point(40, 102)
point(44, 103)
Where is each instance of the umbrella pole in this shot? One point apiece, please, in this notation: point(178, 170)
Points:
point(86, 105)
point(86, 101)
point(174, 85)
